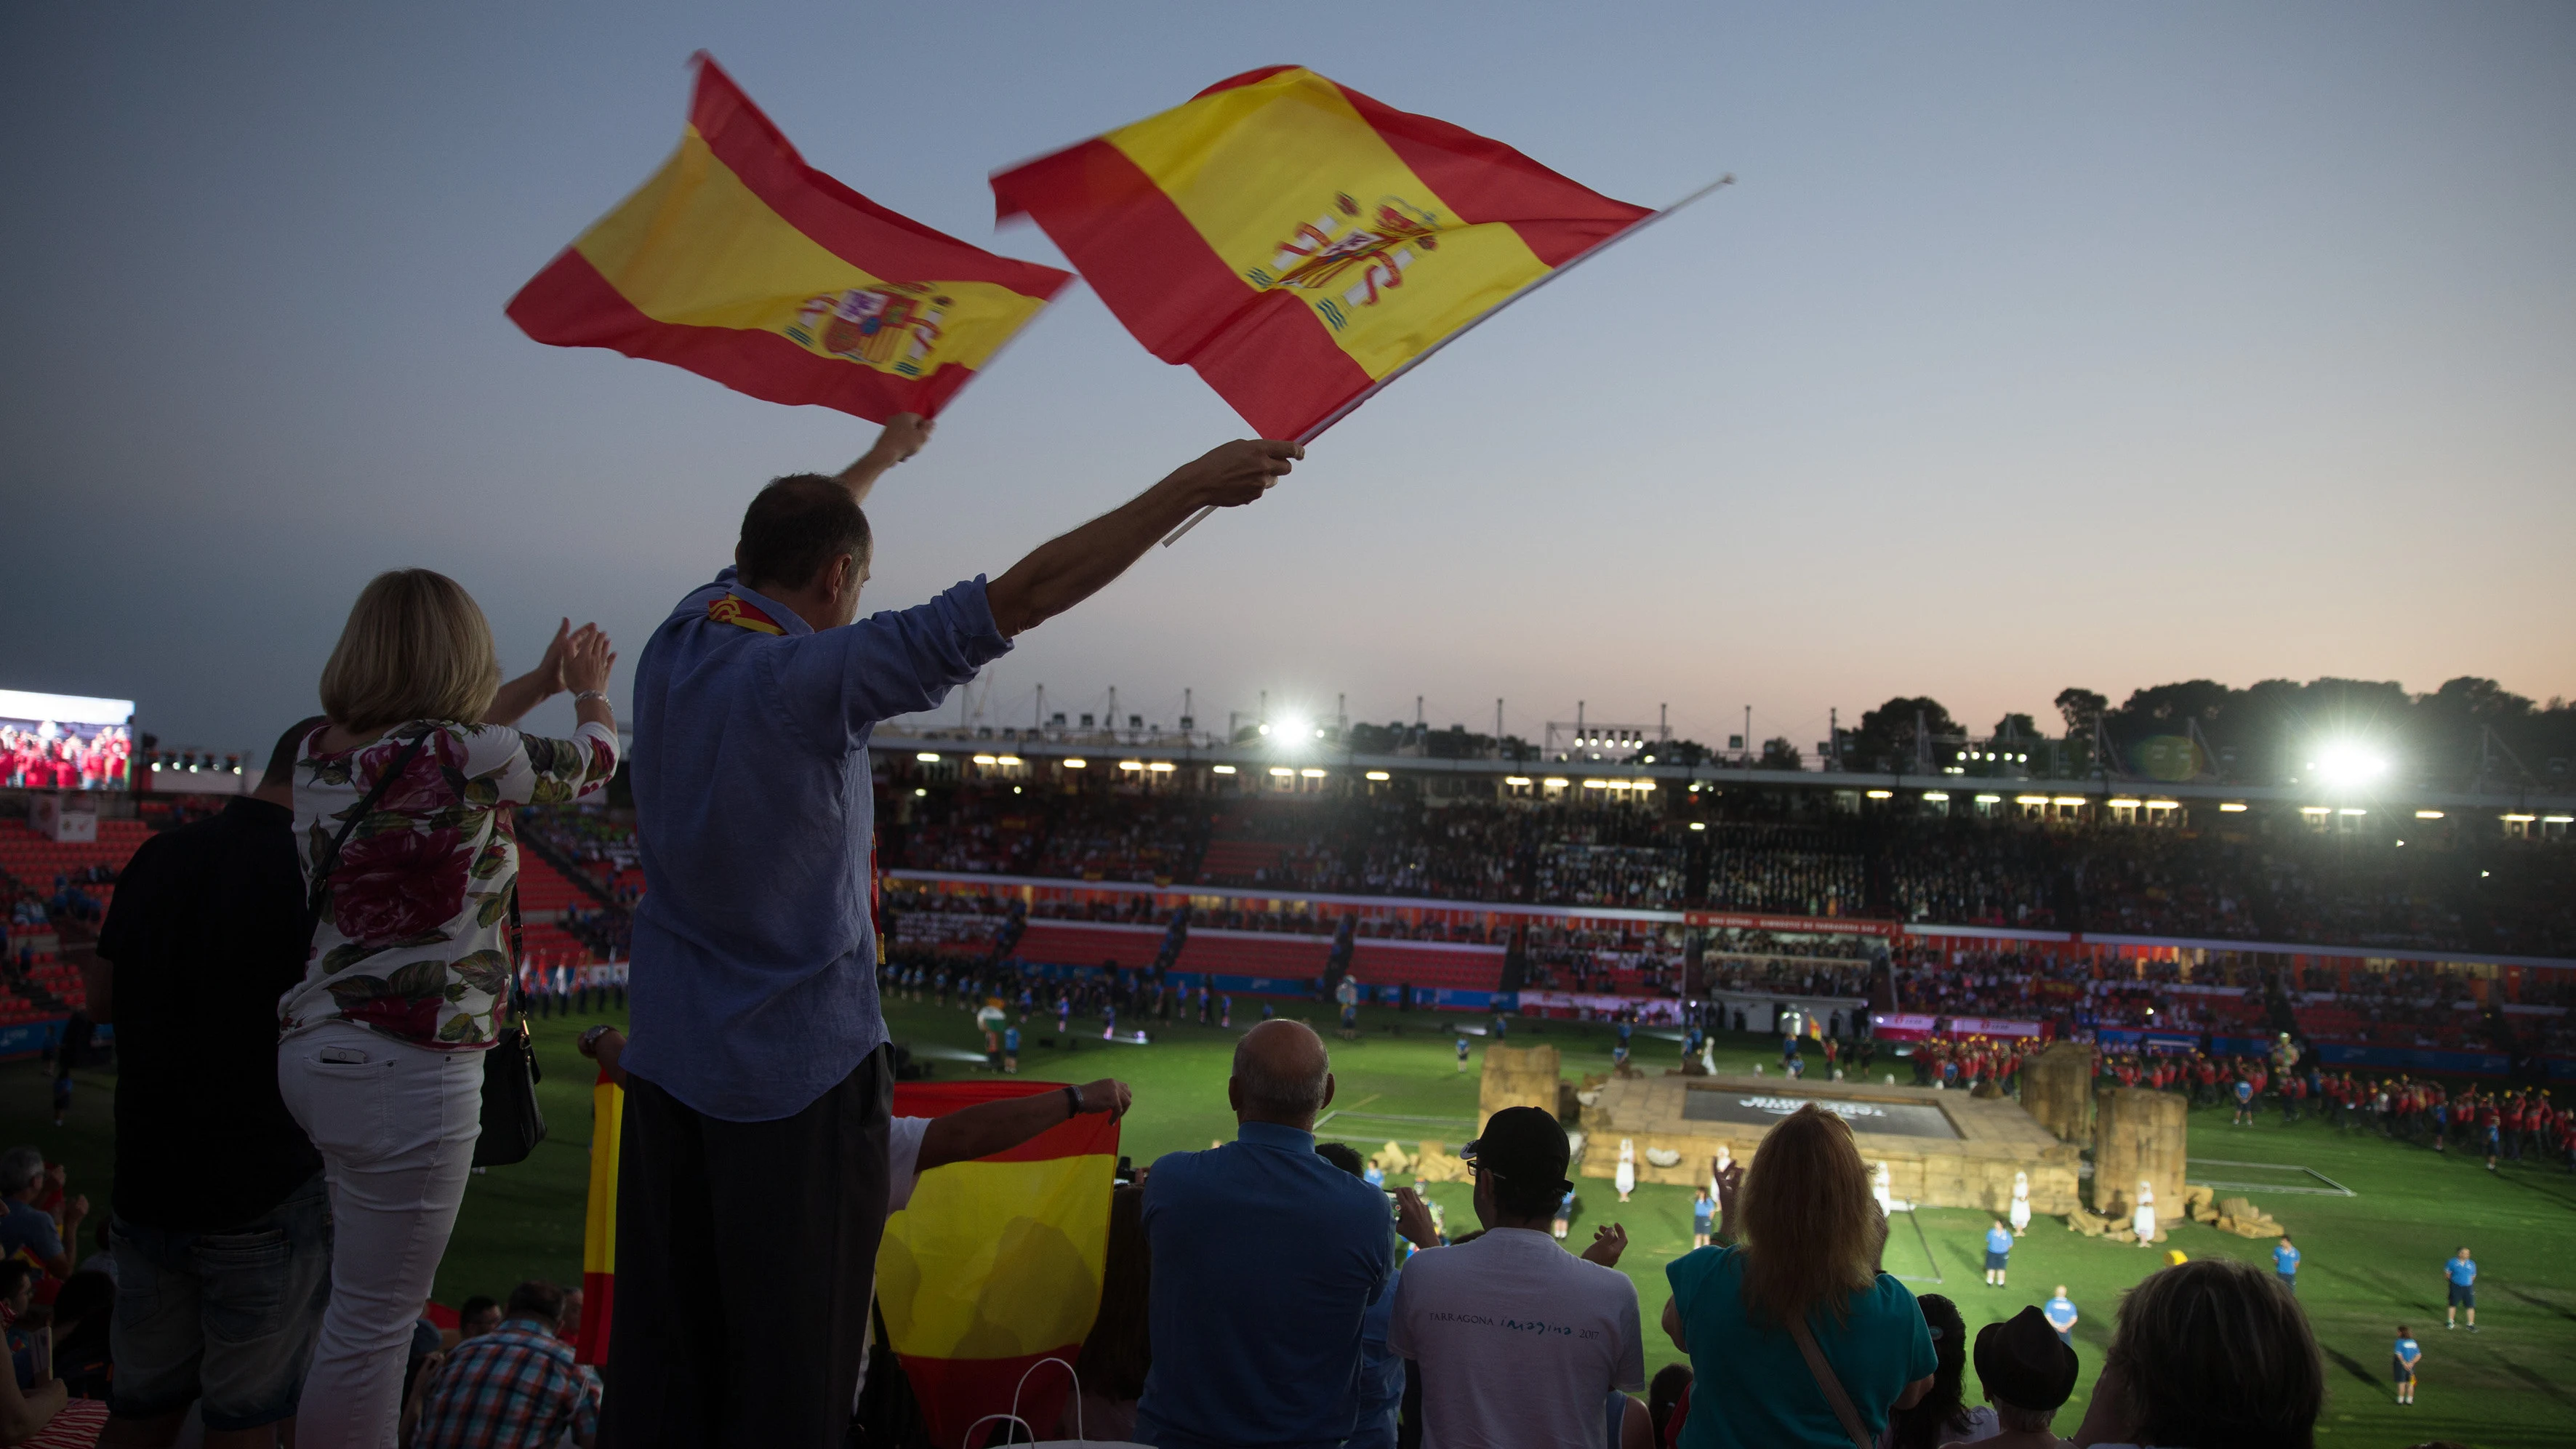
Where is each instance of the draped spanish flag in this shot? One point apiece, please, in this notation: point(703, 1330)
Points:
point(741, 263)
point(996, 1264)
point(599, 1223)
point(1299, 244)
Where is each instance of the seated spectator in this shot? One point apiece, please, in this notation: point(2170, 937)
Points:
point(27, 1230)
point(1114, 1357)
point(516, 1387)
point(1382, 1374)
point(1942, 1416)
point(1806, 1269)
point(83, 1319)
point(2028, 1371)
point(1487, 1384)
point(2211, 1354)
point(1266, 1258)
point(1666, 1393)
point(479, 1316)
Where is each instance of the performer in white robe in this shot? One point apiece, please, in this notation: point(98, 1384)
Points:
point(1627, 1178)
point(2021, 1204)
point(2144, 1223)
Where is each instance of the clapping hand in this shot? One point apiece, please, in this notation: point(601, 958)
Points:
point(1608, 1242)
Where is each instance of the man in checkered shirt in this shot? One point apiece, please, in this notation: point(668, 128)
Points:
point(516, 1387)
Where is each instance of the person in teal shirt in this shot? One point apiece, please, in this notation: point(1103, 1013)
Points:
point(2408, 1354)
point(2285, 1263)
point(1810, 1234)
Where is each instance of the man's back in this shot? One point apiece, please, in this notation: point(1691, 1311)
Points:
point(516, 1387)
point(754, 987)
point(1265, 1257)
point(206, 932)
point(1520, 1342)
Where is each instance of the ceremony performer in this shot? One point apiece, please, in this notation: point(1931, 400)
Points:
point(754, 1141)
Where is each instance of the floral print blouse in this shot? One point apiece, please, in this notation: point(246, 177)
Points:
point(413, 941)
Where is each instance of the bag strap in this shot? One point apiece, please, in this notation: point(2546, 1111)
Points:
point(1825, 1380)
point(319, 891)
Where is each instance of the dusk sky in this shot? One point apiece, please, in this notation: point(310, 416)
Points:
point(2037, 346)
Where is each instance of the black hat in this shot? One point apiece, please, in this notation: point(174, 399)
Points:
point(2022, 1362)
point(1521, 1145)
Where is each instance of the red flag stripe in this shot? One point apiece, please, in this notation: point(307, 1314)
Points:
point(883, 243)
point(1484, 180)
point(955, 1390)
point(1088, 1134)
point(1265, 353)
point(570, 304)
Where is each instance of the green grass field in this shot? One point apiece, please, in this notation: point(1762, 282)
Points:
point(2372, 1260)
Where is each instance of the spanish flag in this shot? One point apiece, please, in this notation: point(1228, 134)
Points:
point(599, 1223)
point(996, 1264)
point(741, 263)
point(1299, 244)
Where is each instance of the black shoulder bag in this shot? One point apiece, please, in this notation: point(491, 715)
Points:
point(513, 1125)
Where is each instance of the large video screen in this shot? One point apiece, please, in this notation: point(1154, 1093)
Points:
point(65, 741)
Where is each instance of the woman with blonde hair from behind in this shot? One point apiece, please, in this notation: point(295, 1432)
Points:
point(1818, 1343)
point(403, 808)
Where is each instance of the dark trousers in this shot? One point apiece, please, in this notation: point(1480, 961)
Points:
point(746, 1254)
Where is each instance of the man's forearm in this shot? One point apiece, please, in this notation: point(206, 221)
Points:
point(904, 435)
point(1065, 571)
point(989, 1127)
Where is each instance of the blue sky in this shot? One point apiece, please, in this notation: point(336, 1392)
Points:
point(2036, 346)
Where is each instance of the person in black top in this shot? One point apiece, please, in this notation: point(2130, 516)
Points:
point(221, 1229)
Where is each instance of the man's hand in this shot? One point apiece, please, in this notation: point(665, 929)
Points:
point(1413, 1219)
point(1233, 474)
point(1608, 1242)
point(76, 1209)
point(1108, 1095)
point(905, 434)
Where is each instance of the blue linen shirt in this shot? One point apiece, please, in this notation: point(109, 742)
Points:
point(755, 976)
point(1266, 1259)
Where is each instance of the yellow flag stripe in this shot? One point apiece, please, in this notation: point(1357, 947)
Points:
point(696, 247)
point(599, 1224)
point(1294, 190)
point(997, 1259)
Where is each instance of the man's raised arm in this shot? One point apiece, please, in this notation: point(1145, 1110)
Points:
point(905, 434)
point(1065, 571)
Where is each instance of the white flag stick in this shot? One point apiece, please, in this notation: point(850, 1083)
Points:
point(1373, 389)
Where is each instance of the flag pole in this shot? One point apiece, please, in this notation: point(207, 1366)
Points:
point(1373, 389)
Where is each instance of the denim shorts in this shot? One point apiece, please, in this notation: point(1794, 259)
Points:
point(229, 1317)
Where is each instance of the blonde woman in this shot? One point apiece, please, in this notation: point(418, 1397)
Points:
point(1810, 1234)
point(381, 1058)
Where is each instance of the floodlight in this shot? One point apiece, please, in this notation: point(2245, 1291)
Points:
point(2070, 800)
point(1282, 772)
point(1698, 825)
point(1882, 794)
point(2233, 807)
point(1077, 764)
point(1516, 779)
point(1006, 760)
point(927, 757)
point(1265, 729)
point(986, 760)
point(1312, 774)
point(1223, 769)
point(2347, 763)
point(1162, 765)
point(1936, 795)
point(1379, 775)
point(2428, 814)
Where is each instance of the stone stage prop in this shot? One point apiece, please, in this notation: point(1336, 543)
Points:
point(1942, 1149)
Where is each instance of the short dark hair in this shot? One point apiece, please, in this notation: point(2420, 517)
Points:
point(1527, 1199)
point(795, 527)
point(14, 1273)
point(538, 1299)
point(1343, 1156)
point(476, 1304)
point(290, 745)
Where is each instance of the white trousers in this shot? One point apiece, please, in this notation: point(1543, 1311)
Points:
point(395, 1125)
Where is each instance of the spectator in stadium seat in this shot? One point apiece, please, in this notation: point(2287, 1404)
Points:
point(476, 1317)
point(760, 1051)
point(29, 1231)
point(1811, 1234)
point(1942, 1416)
point(1382, 1372)
point(1266, 1258)
point(1484, 1383)
point(206, 932)
point(380, 1054)
point(2213, 1354)
point(516, 1387)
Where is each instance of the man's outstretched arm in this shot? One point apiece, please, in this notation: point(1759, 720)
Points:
point(905, 434)
point(1068, 570)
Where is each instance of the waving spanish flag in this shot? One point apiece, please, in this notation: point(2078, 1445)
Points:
point(1299, 244)
point(741, 263)
point(996, 1264)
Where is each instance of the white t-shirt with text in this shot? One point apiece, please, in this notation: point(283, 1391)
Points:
point(1518, 1341)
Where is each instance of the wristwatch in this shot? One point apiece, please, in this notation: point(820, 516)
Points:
point(590, 1038)
point(1072, 1102)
